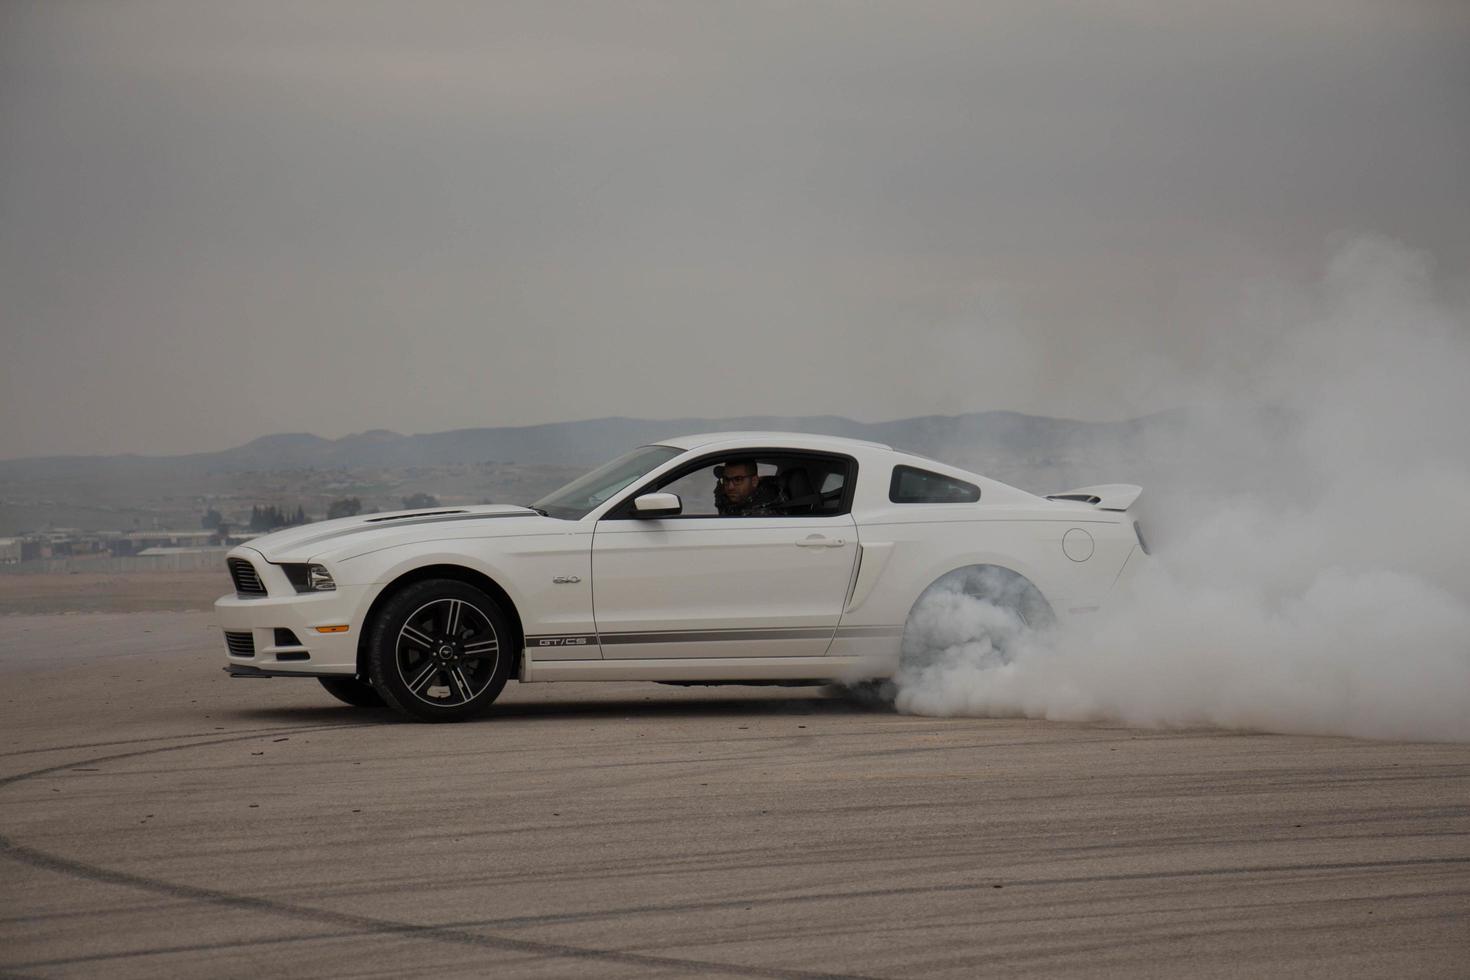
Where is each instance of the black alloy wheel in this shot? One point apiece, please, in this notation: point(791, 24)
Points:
point(440, 650)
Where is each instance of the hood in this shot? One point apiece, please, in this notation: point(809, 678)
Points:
point(367, 532)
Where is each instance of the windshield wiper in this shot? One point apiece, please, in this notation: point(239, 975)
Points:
point(539, 510)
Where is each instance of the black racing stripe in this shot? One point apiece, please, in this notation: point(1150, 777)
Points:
point(716, 636)
point(858, 631)
point(713, 635)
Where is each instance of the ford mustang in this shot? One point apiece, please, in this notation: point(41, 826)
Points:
point(725, 558)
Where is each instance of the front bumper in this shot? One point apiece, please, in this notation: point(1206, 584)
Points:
point(266, 619)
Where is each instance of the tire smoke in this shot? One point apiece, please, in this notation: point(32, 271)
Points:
point(1308, 516)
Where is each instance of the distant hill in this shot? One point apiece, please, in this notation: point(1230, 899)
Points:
point(963, 439)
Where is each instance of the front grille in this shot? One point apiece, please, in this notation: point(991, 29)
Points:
point(240, 644)
point(247, 581)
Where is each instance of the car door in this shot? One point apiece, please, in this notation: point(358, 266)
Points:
point(700, 585)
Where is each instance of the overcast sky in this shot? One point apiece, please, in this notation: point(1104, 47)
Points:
point(220, 219)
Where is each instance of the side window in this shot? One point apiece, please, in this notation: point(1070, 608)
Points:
point(696, 492)
point(915, 486)
point(788, 486)
point(816, 486)
point(697, 489)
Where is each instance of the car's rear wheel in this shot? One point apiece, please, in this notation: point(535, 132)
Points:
point(984, 612)
point(874, 693)
point(350, 690)
point(440, 650)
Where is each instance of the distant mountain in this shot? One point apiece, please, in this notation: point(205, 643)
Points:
point(964, 439)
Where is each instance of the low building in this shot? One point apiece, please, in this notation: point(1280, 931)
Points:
point(136, 542)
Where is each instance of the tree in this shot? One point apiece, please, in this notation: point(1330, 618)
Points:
point(211, 520)
point(416, 501)
point(345, 507)
point(270, 516)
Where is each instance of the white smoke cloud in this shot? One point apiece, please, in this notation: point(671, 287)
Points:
point(1311, 536)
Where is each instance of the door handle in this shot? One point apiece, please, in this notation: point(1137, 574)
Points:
point(817, 541)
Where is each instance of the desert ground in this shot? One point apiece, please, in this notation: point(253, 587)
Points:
point(158, 817)
point(76, 592)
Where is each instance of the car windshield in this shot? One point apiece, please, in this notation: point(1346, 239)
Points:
point(580, 497)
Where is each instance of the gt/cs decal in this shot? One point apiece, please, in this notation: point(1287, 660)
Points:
point(561, 641)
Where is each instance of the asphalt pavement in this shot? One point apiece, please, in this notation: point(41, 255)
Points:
point(160, 818)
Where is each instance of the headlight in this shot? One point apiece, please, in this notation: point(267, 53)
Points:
point(319, 579)
point(309, 578)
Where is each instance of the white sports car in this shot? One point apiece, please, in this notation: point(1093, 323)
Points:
point(801, 563)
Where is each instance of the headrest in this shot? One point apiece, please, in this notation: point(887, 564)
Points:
point(796, 483)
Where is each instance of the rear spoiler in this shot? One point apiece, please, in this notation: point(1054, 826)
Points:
point(1111, 496)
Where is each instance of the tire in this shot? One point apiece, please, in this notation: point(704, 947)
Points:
point(350, 690)
point(440, 650)
point(875, 694)
point(937, 619)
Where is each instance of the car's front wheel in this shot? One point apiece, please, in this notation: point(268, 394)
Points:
point(440, 650)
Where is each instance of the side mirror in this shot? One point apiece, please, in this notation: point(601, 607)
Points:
point(657, 505)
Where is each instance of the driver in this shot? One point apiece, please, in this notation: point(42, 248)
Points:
point(740, 492)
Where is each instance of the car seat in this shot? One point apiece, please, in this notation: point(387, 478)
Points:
point(799, 496)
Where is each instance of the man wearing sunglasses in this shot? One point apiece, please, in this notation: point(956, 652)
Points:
point(740, 492)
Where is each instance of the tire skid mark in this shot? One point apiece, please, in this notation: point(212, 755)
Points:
point(454, 932)
point(359, 924)
point(833, 857)
point(998, 881)
point(40, 918)
point(131, 954)
point(275, 729)
point(915, 890)
point(371, 925)
point(222, 740)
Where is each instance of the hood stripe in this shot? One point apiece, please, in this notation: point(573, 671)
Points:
point(407, 522)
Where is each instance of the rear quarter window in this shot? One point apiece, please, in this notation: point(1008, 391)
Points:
point(911, 485)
